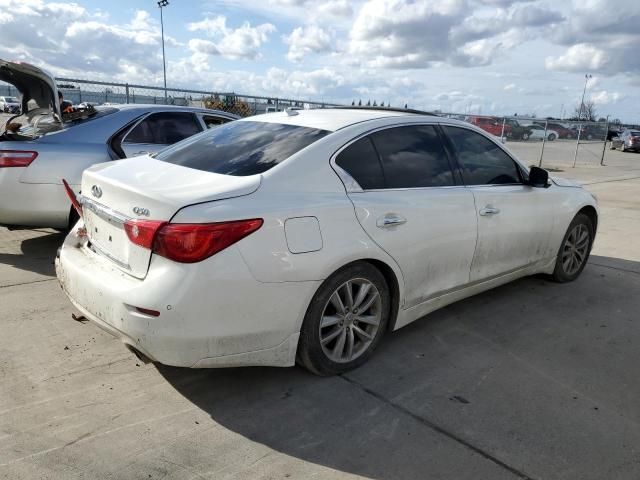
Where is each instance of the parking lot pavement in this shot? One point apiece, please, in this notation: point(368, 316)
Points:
point(531, 380)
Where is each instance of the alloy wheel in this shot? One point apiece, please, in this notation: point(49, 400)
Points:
point(575, 249)
point(350, 320)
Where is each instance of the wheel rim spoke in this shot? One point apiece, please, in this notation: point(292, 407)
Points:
point(575, 248)
point(368, 319)
point(336, 301)
point(338, 348)
point(350, 342)
point(367, 303)
point(348, 294)
point(350, 320)
point(364, 335)
point(332, 335)
point(362, 294)
point(329, 320)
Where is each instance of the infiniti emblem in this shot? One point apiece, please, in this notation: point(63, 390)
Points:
point(141, 211)
point(96, 191)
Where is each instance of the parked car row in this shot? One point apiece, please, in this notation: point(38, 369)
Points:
point(299, 236)
point(516, 129)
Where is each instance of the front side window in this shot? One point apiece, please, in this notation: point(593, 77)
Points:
point(241, 148)
point(413, 157)
point(164, 128)
point(483, 162)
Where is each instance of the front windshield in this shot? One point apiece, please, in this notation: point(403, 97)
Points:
point(11, 99)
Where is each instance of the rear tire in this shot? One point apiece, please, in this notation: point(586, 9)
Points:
point(345, 320)
point(574, 250)
point(525, 136)
point(551, 137)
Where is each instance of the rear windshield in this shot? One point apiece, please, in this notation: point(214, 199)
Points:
point(241, 148)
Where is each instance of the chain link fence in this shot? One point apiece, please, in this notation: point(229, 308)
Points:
point(79, 91)
point(550, 143)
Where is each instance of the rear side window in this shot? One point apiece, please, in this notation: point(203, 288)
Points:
point(361, 161)
point(241, 148)
point(164, 128)
point(412, 157)
point(483, 162)
point(210, 121)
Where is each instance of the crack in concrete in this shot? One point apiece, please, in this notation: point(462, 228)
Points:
point(28, 283)
point(439, 429)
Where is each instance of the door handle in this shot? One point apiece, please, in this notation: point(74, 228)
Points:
point(390, 220)
point(489, 210)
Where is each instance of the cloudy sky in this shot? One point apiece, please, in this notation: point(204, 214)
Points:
point(484, 56)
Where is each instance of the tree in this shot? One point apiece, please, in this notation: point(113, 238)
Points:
point(585, 112)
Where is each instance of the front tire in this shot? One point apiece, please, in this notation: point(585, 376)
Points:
point(575, 249)
point(345, 320)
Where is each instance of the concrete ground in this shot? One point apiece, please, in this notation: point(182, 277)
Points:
point(533, 380)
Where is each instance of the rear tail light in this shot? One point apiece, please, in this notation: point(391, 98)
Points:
point(16, 158)
point(142, 232)
point(188, 242)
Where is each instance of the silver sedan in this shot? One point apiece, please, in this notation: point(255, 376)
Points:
point(35, 158)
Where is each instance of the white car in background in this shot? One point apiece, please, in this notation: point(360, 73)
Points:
point(309, 235)
point(9, 105)
point(537, 132)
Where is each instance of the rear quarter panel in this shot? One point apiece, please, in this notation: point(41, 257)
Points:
point(305, 185)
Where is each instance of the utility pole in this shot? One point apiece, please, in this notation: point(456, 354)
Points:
point(586, 79)
point(162, 4)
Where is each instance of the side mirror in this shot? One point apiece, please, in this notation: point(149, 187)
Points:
point(538, 177)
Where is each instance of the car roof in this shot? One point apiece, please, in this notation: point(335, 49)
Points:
point(154, 107)
point(331, 119)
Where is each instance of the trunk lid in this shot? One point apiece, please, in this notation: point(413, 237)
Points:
point(35, 85)
point(146, 189)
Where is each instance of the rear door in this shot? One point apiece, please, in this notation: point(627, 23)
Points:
point(159, 130)
point(411, 205)
point(514, 220)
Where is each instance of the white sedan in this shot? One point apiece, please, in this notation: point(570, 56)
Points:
point(537, 132)
point(308, 235)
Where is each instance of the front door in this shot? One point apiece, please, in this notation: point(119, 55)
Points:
point(412, 207)
point(514, 220)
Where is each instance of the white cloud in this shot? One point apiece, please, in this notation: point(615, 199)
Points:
point(242, 42)
point(604, 98)
point(579, 58)
point(305, 40)
point(70, 40)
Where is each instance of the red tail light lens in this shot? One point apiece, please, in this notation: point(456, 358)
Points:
point(16, 158)
point(190, 243)
point(142, 232)
point(72, 197)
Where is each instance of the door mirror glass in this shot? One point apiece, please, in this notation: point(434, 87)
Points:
point(538, 177)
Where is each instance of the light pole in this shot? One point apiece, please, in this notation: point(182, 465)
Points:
point(586, 79)
point(161, 4)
